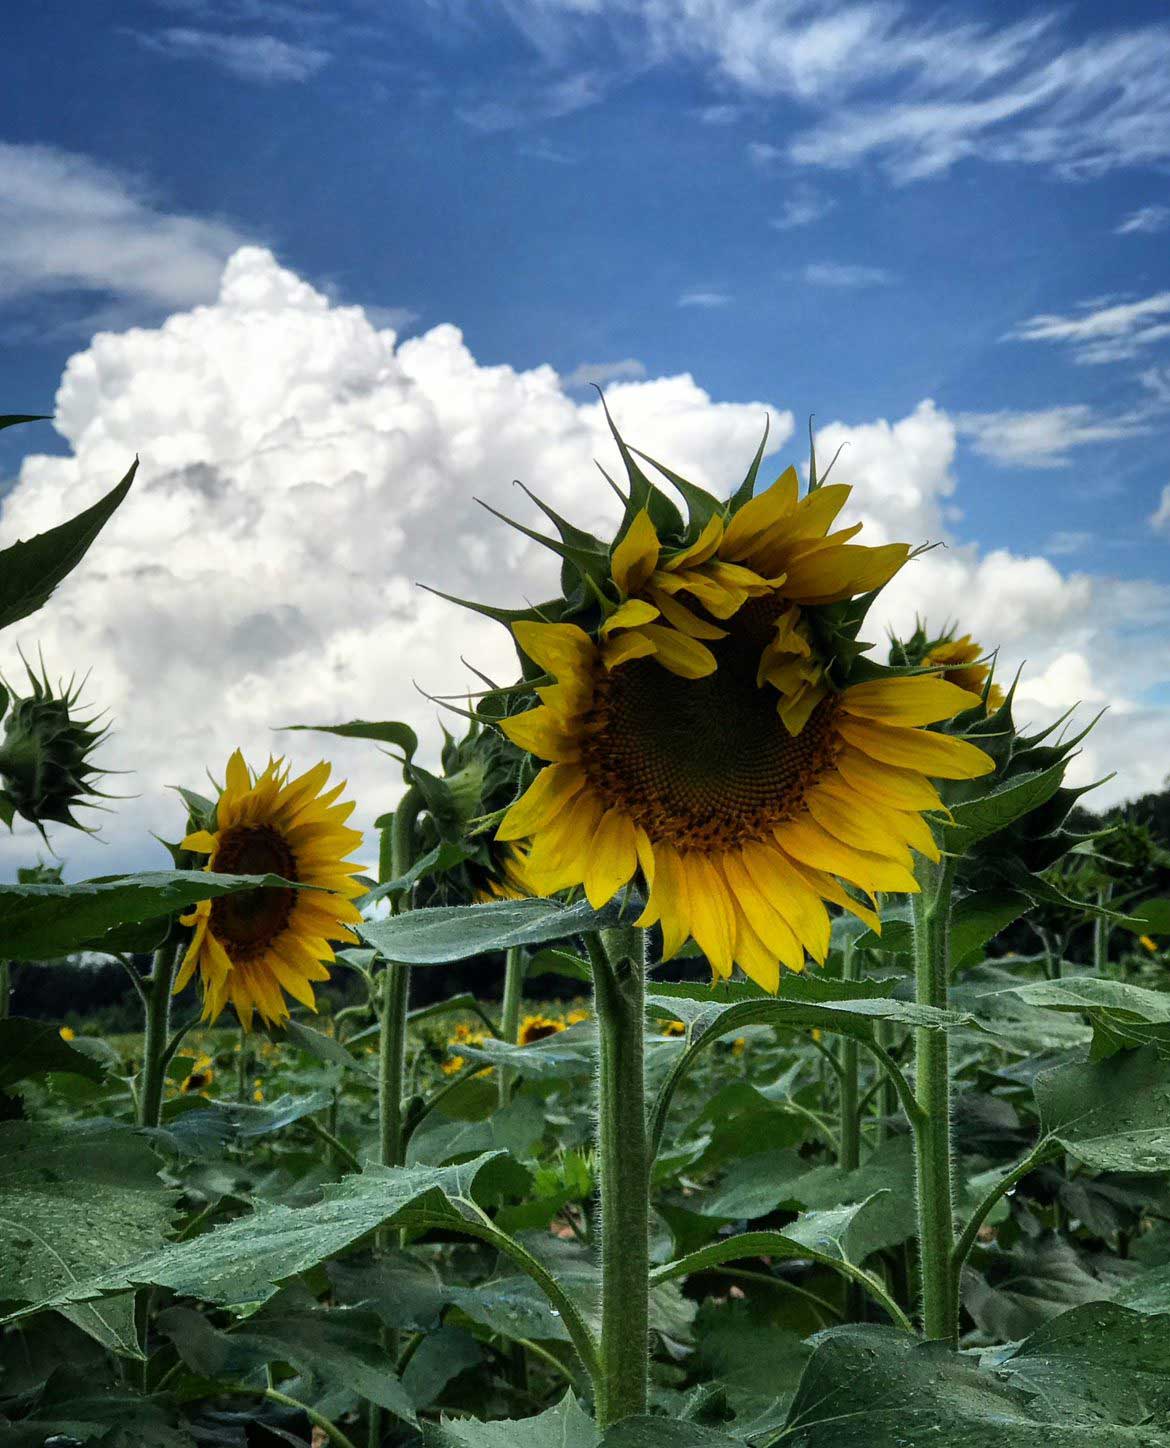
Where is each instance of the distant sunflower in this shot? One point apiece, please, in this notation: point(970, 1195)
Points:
point(252, 947)
point(729, 746)
point(538, 1028)
point(960, 661)
point(201, 1075)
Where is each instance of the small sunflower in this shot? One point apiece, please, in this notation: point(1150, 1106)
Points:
point(674, 1028)
point(958, 660)
point(251, 948)
point(453, 1065)
point(538, 1028)
point(67, 1033)
point(709, 722)
point(200, 1078)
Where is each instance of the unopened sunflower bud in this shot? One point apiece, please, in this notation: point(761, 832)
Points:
point(45, 768)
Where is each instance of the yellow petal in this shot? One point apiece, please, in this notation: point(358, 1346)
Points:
point(712, 915)
point(807, 843)
point(701, 549)
point(830, 890)
point(561, 648)
point(771, 927)
point(840, 573)
point(633, 645)
point(908, 700)
point(668, 900)
point(904, 825)
point(203, 842)
point(789, 895)
point(645, 854)
point(559, 851)
point(685, 657)
point(754, 958)
point(629, 615)
point(683, 619)
point(938, 755)
point(902, 788)
point(611, 859)
point(546, 796)
point(636, 556)
point(759, 514)
point(541, 731)
point(855, 823)
point(237, 781)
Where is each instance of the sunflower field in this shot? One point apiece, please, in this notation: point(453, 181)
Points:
point(743, 1040)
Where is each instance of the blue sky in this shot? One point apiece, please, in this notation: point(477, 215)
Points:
point(845, 209)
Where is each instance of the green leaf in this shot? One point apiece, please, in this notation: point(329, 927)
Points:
point(245, 1260)
point(324, 1048)
point(28, 1048)
point(645, 1432)
point(201, 1129)
point(1095, 1377)
point(568, 1055)
point(438, 935)
point(513, 1307)
point(74, 1408)
point(12, 419)
point(558, 962)
point(564, 1426)
point(445, 856)
point(1014, 1293)
point(74, 1199)
point(1098, 996)
point(388, 731)
point(987, 814)
point(980, 917)
point(1151, 917)
point(42, 922)
point(336, 1347)
point(1113, 1115)
point(31, 570)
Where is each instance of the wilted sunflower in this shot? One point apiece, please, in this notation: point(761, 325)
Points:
point(709, 721)
point(251, 947)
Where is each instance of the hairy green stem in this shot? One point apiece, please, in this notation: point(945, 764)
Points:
point(395, 856)
point(1101, 933)
point(932, 1088)
point(510, 1021)
point(157, 1030)
point(624, 1170)
point(849, 1148)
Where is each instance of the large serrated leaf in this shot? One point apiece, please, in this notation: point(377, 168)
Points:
point(42, 922)
point(565, 1426)
point(1113, 1115)
point(73, 1200)
point(445, 933)
point(246, 1260)
point(31, 570)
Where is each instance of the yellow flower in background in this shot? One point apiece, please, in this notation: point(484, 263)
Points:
point(575, 1017)
point(67, 1033)
point(958, 660)
point(739, 1046)
point(452, 1065)
point(252, 947)
point(257, 1096)
point(1151, 945)
point(740, 826)
point(537, 1028)
point(674, 1028)
point(200, 1078)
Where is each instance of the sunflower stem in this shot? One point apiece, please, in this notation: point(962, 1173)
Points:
point(1101, 933)
point(396, 854)
point(156, 1033)
point(932, 1089)
point(849, 1152)
point(510, 1018)
point(619, 984)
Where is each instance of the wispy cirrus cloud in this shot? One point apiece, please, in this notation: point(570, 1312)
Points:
point(845, 275)
point(1160, 518)
point(264, 58)
point(1112, 333)
point(69, 224)
point(708, 299)
point(1146, 219)
point(1046, 437)
point(627, 369)
point(803, 207)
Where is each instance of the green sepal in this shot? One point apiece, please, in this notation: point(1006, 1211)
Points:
point(701, 505)
point(12, 419)
point(746, 490)
point(643, 494)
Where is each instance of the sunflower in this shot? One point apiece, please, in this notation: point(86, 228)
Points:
point(713, 727)
point(537, 1028)
point(67, 1033)
point(251, 947)
point(958, 660)
point(200, 1077)
point(674, 1028)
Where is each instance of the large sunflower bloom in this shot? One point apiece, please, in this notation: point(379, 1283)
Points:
point(251, 948)
point(732, 769)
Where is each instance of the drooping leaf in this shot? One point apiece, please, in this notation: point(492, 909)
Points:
point(335, 1347)
point(248, 1258)
point(387, 731)
point(1113, 1115)
point(441, 934)
point(1151, 917)
point(42, 922)
point(31, 570)
point(1013, 1293)
point(28, 1048)
point(201, 1129)
point(73, 1200)
point(324, 1048)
